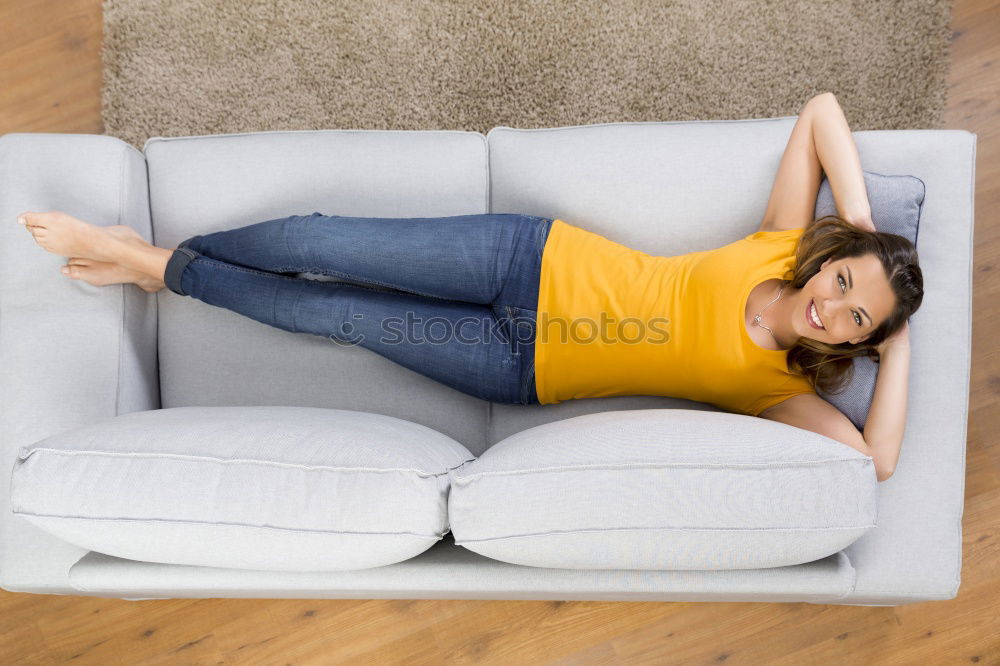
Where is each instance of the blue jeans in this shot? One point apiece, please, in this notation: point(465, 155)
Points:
point(453, 298)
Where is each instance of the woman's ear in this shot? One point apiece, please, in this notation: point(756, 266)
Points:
point(860, 340)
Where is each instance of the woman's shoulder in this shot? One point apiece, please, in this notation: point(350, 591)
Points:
point(775, 235)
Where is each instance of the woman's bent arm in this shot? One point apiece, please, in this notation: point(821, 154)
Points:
point(839, 158)
point(887, 414)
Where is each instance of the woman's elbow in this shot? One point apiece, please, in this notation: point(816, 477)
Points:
point(882, 473)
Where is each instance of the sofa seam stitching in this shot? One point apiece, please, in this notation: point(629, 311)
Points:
point(697, 465)
point(968, 366)
point(641, 122)
point(272, 463)
point(573, 532)
point(227, 523)
point(123, 286)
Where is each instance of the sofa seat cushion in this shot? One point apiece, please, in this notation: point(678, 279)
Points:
point(268, 488)
point(663, 489)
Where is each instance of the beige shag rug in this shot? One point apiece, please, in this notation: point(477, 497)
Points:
point(193, 67)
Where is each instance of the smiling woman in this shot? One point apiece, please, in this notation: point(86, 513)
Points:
point(852, 288)
point(863, 285)
point(830, 308)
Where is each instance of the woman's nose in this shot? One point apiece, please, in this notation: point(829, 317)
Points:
point(826, 309)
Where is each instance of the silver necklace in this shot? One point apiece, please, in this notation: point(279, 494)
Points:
point(756, 318)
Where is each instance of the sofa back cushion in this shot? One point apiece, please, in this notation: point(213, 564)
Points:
point(265, 488)
point(666, 188)
point(214, 357)
point(667, 489)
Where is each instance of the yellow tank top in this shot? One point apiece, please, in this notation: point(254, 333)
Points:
point(616, 321)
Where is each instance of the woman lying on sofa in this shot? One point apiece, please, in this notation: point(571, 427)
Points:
point(752, 327)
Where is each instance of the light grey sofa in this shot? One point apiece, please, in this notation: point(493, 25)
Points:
point(665, 188)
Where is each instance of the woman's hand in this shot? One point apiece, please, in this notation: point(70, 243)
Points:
point(899, 340)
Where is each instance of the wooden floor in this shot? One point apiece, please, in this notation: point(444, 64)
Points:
point(50, 79)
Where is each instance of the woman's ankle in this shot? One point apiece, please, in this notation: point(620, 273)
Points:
point(150, 261)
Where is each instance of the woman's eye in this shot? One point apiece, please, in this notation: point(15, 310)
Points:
point(857, 318)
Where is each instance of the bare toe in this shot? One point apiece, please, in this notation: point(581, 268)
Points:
point(38, 220)
point(97, 273)
point(74, 271)
point(27, 219)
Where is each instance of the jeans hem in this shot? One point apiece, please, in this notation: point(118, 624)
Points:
point(178, 261)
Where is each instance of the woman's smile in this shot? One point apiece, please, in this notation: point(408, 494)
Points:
point(812, 316)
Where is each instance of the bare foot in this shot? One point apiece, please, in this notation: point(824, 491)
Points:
point(102, 273)
point(125, 233)
point(67, 236)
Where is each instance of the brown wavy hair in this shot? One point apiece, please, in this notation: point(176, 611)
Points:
point(830, 367)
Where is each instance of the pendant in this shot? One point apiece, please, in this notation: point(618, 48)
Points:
point(756, 320)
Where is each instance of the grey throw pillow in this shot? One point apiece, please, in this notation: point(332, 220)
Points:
point(896, 202)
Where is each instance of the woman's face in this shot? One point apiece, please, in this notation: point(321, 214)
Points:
point(852, 298)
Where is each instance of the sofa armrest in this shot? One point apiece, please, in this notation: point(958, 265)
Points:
point(70, 352)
